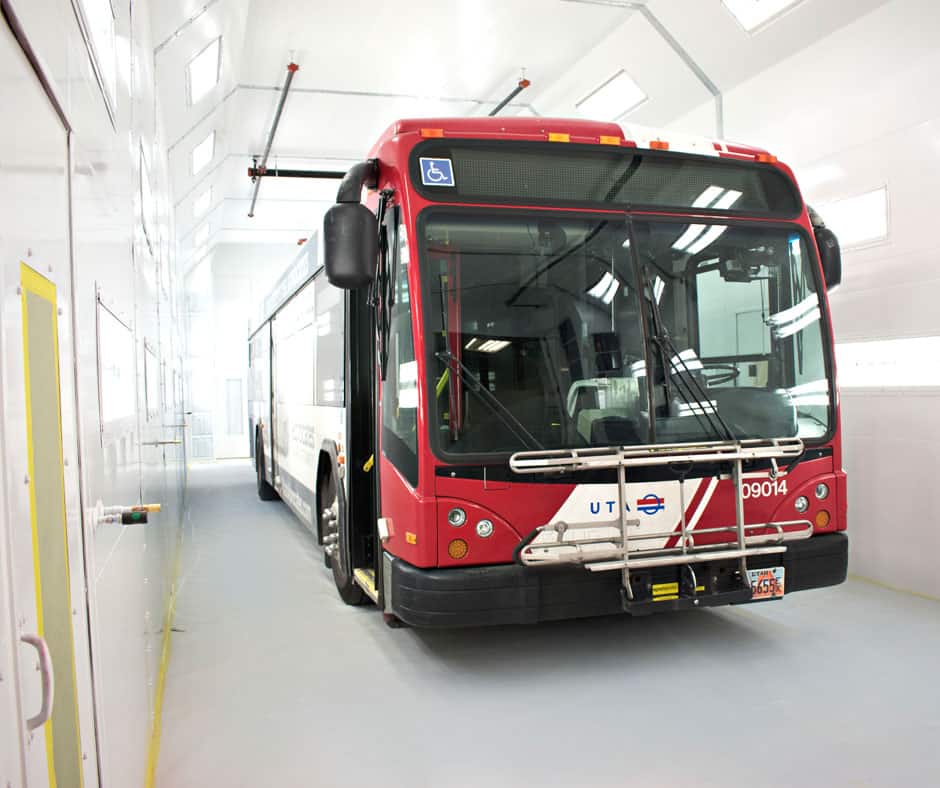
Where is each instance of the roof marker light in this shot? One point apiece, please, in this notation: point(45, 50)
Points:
point(558, 136)
point(766, 158)
point(659, 145)
point(605, 139)
point(426, 133)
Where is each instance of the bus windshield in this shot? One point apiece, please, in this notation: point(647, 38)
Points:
point(557, 331)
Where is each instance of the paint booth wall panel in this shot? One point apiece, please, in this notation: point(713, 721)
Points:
point(122, 246)
point(891, 440)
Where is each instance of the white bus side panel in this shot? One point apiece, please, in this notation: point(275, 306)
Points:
point(308, 358)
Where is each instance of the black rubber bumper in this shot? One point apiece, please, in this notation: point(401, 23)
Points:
point(513, 594)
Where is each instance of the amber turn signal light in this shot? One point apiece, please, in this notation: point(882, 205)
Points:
point(457, 549)
point(822, 518)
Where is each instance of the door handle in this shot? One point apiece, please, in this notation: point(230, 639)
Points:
point(48, 681)
point(162, 443)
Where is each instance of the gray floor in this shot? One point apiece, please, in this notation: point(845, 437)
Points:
point(274, 682)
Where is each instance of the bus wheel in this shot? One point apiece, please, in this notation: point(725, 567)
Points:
point(336, 543)
point(265, 491)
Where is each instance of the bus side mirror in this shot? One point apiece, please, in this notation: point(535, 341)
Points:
point(830, 256)
point(350, 245)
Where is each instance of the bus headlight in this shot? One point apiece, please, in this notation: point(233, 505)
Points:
point(822, 491)
point(801, 504)
point(485, 528)
point(456, 517)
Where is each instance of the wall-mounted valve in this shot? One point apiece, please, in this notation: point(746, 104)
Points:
point(124, 515)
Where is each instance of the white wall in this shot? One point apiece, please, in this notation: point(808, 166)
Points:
point(855, 111)
point(227, 290)
point(130, 569)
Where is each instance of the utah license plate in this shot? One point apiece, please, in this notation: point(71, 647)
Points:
point(766, 583)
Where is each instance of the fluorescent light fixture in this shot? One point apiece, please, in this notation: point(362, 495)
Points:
point(203, 70)
point(794, 319)
point(860, 219)
point(726, 200)
point(486, 345)
point(202, 154)
point(707, 197)
point(753, 13)
point(613, 99)
point(611, 292)
point(201, 235)
point(638, 368)
point(704, 408)
point(708, 238)
point(693, 232)
point(493, 345)
point(889, 363)
point(687, 360)
point(658, 286)
point(815, 392)
point(202, 203)
point(602, 286)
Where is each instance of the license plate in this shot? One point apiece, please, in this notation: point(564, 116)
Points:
point(766, 583)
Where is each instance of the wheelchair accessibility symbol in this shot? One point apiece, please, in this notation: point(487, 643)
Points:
point(437, 172)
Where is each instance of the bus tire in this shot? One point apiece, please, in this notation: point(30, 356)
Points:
point(265, 491)
point(335, 532)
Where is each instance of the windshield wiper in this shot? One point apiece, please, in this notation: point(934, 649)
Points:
point(476, 386)
point(686, 384)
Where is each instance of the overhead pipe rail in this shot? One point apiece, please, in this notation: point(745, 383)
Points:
point(676, 47)
point(260, 170)
point(520, 86)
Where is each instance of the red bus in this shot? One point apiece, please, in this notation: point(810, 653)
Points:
point(574, 371)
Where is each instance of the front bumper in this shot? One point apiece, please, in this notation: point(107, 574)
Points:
point(513, 594)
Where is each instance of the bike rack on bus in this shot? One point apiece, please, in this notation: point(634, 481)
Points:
point(606, 547)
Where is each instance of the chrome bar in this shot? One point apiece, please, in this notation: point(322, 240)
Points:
point(569, 460)
point(688, 558)
point(542, 553)
point(621, 500)
point(739, 517)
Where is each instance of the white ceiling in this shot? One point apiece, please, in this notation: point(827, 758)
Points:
point(364, 63)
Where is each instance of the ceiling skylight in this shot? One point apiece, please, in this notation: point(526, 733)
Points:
point(613, 99)
point(203, 152)
point(203, 71)
point(754, 13)
point(202, 202)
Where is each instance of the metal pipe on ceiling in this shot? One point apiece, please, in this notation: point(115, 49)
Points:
point(522, 85)
point(676, 47)
point(292, 69)
point(257, 172)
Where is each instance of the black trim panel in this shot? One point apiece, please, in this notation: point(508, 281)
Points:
point(509, 594)
point(442, 148)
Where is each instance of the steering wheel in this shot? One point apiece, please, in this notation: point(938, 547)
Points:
point(726, 373)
